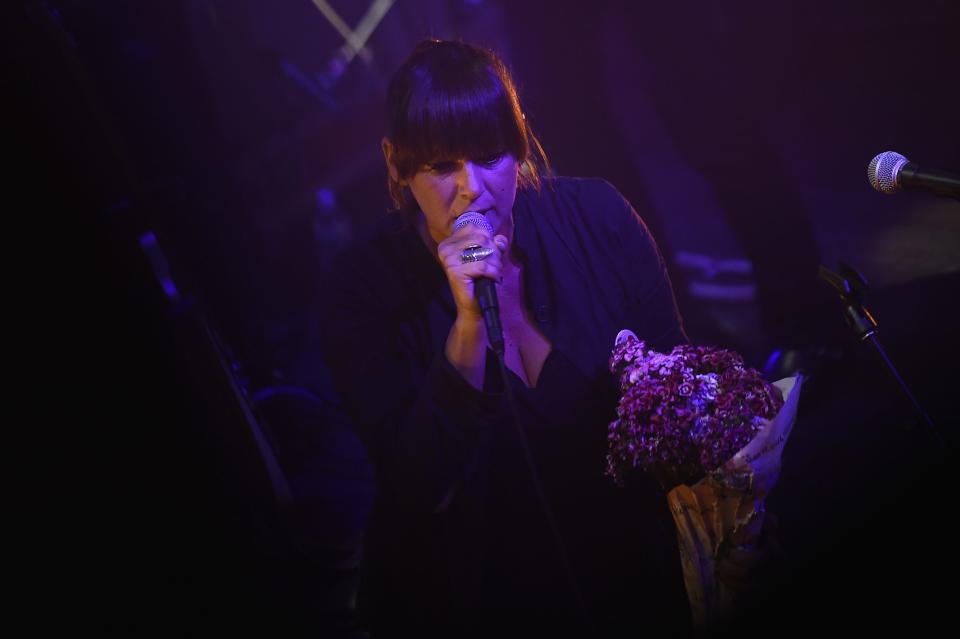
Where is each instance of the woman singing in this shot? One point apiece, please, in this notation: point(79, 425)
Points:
point(459, 541)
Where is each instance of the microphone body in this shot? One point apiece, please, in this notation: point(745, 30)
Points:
point(484, 289)
point(889, 172)
point(913, 176)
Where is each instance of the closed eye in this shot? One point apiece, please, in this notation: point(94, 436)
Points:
point(491, 160)
point(446, 167)
point(443, 167)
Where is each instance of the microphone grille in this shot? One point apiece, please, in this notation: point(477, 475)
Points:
point(472, 217)
point(883, 170)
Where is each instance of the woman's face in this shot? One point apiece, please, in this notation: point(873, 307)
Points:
point(445, 189)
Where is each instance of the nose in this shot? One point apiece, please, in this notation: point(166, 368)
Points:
point(469, 182)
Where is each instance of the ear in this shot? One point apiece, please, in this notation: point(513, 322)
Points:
point(387, 146)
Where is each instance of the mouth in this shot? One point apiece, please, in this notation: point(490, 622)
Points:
point(483, 212)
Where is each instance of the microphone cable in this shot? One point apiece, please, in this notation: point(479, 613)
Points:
point(561, 548)
point(486, 295)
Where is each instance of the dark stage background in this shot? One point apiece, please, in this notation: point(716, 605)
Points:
point(191, 165)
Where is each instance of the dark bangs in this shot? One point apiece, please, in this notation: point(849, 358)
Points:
point(451, 101)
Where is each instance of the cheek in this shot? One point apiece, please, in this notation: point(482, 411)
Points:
point(430, 192)
point(507, 184)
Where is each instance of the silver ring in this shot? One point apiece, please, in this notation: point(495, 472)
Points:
point(475, 253)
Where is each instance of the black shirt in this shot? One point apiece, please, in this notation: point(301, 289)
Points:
point(485, 560)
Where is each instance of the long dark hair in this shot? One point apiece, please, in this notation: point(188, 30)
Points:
point(453, 100)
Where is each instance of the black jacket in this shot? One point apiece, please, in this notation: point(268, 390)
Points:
point(487, 561)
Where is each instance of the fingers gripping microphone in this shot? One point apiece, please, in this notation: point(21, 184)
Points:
point(484, 289)
point(890, 172)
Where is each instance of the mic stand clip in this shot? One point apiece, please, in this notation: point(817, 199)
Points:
point(850, 285)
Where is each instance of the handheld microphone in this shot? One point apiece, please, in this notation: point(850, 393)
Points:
point(889, 172)
point(484, 289)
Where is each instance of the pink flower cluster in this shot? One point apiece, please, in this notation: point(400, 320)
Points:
point(689, 410)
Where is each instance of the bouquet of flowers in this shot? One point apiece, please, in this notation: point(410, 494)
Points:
point(712, 432)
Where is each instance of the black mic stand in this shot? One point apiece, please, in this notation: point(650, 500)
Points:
point(850, 285)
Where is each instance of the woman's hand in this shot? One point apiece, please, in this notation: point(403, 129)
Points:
point(461, 274)
point(467, 343)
